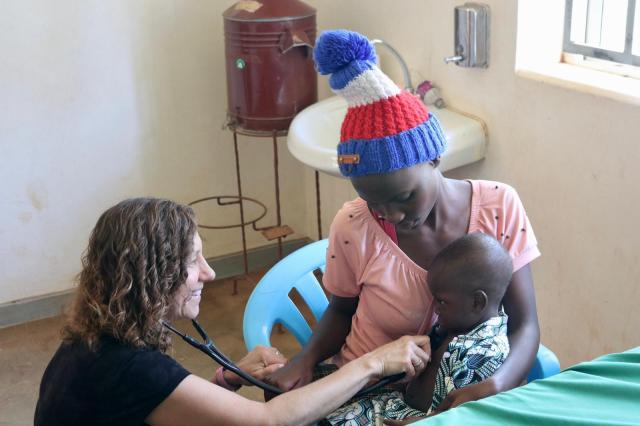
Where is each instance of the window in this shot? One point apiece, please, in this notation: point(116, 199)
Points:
point(592, 46)
point(602, 30)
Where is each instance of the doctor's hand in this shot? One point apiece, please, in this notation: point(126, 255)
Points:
point(408, 354)
point(259, 363)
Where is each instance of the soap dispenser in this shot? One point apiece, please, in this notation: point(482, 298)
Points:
point(471, 36)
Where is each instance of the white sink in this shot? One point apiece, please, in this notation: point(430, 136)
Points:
point(315, 132)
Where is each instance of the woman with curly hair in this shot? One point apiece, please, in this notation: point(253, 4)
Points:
point(144, 265)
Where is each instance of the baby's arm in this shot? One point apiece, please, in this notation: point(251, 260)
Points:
point(419, 393)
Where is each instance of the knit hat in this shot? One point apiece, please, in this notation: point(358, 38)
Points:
point(385, 128)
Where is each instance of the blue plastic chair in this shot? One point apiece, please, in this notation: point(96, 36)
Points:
point(545, 365)
point(270, 304)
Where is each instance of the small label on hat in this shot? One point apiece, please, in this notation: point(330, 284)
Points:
point(349, 159)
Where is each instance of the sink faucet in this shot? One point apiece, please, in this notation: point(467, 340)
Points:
point(405, 70)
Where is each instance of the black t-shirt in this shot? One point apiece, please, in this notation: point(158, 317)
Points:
point(115, 385)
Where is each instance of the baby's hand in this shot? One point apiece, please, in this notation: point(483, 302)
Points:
point(469, 393)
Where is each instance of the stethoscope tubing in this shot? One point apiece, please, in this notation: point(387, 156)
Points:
point(213, 352)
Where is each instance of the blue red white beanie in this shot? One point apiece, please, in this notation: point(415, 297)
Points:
point(385, 129)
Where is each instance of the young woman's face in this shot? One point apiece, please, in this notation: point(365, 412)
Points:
point(187, 299)
point(404, 197)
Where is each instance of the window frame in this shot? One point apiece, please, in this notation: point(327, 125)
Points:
point(626, 57)
point(539, 56)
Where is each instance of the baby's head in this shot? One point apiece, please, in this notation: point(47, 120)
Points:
point(468, 279)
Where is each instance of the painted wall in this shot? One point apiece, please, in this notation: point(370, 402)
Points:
point(572, 156)
point(100, 101)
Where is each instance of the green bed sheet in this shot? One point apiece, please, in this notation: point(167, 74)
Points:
point(605, 391)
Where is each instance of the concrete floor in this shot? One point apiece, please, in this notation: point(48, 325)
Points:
point(25, 350)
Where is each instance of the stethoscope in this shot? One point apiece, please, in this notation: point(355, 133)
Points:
point(212, 351)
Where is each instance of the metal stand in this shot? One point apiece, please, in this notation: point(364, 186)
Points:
point(277, 231)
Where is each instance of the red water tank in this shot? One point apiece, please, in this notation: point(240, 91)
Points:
point(269, 62)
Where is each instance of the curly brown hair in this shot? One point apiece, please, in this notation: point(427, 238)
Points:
point(135, 262)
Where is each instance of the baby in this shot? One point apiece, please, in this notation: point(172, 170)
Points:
point(467, 279)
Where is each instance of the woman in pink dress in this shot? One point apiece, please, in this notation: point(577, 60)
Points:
point(382, 243)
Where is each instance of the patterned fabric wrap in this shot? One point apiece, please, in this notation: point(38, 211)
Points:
point(385, 129)
point(469, 358)
point(324, 369)
point(373, 411)
point(472, 357)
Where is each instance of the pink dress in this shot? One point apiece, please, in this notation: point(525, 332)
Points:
point(364, 262)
